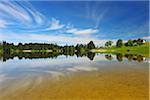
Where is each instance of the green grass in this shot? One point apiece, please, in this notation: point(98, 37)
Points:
point(138, 50)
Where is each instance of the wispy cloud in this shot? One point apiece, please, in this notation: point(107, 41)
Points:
point(14, 10)
point(146, 38)
point(3, 23)
point(100, 17)
point(22, 13)
point(55, 24)
point(76, 31)
point(95, 13)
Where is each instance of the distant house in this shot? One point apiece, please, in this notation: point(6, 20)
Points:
point(138, 42)
point(144, 41)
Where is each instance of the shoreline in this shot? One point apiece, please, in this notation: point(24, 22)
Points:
point(137, 50)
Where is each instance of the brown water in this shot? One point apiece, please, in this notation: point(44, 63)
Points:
point(74, 78)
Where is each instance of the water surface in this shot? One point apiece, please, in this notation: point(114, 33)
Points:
point(103, 77)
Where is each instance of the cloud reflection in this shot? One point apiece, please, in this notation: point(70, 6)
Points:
point(82, 68)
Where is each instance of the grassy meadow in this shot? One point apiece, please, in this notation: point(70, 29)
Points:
point(137, 50)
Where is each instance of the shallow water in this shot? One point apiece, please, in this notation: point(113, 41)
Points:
point(72, 78)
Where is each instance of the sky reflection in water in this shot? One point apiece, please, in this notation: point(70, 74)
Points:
point(60, 66)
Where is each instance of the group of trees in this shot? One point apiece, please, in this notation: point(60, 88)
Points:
point(120, 43)
point(108, 43)
point(130, 42)
point(45, 46)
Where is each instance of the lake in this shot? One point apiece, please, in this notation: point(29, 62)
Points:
point(100, 77)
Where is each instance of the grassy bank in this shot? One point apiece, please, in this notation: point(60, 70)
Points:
point(139, 50)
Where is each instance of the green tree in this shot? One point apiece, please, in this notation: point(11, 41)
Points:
point(109, 57)
point(119, 43)
point(91, 55)
point(130, 43)
point(20, 46)
point(135, 42)
point(119, 57)
point(90, 45)
point(108, 43)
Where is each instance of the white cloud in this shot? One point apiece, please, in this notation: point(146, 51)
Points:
point(3, 23)
point(71, 29)
point(50, 38)
point(82, 31)
point(146, 38)
point(38, 17)
point(55, 24)
point(20, 12)
point(82, 68)
point(86, 31)
point(14, 10)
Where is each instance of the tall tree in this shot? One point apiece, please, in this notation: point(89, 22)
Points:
point(129, 43)
point(119, 43)
point(91, 45)
point(108, 43)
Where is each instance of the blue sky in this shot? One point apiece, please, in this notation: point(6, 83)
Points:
point(72, 22)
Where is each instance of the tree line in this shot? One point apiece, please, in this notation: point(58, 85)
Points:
point(67, 49)
point(10, 47)
point(37, 55)
point(130, 42)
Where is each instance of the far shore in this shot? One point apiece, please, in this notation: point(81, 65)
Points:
point(138, 50)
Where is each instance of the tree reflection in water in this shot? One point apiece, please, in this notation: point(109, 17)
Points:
point(119, 57)
point(108, 57)
point(52, 55)
point(130, 57)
